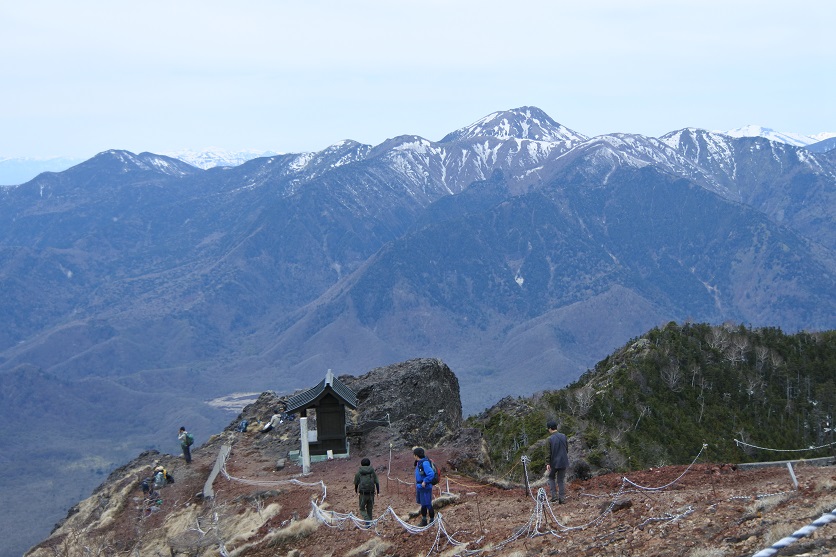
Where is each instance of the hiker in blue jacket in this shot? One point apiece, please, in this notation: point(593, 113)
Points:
point(423, 484)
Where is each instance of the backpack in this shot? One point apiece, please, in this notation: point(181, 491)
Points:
point(436, 475)
point(169, 479)
point(366, 484)
point(189, 439)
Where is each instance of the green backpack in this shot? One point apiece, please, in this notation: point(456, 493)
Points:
point(366, 483)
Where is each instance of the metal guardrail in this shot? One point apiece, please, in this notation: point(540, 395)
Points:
point(823, 461)
point(208, 491)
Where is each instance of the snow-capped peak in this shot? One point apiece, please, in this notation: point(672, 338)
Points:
point(527, 122)
point(797, 139)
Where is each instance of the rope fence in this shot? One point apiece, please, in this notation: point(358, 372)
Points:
point(826, 518)
point(740, 443)
point(542, 520)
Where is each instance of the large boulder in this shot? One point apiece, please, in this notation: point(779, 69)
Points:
point(416, 402)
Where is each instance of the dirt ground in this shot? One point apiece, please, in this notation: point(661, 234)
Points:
point(702, 510)
point(705, 510)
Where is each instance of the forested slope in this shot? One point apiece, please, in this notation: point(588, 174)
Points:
point(664, 395)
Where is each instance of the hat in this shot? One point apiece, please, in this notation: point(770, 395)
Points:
point(159, 469)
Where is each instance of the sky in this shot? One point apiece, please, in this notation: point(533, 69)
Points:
point(81, 77)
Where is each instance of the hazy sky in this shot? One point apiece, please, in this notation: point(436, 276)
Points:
point(81, 77)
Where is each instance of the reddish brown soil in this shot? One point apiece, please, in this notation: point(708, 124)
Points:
point(710, 510)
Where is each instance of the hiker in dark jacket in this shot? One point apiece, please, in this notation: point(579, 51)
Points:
point(366, 484)
point(557, 463)
point(186, 441)
point(423, 484)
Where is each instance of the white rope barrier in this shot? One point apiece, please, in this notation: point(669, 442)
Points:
point(760, 496)
point(826, 518)
point(335, 519)
point(525, 460)
point(668, 517)
point(538, 522)
point(628, 480)
point(533, 527)
point(743, 443)
point(275, 483)
point(543, 505)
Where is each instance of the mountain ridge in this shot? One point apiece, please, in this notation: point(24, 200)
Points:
point(18, 170)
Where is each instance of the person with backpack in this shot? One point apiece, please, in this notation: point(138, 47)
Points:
point(424, 476)
point(365, 484)
point(146, 485)
point(160, 477)
point(558, 461)
point(275, 421)
point(242, 426)
point(186, 442)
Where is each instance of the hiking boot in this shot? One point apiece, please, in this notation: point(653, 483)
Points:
point(554, 499)
point(423, 521)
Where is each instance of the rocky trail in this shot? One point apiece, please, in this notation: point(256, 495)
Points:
point(702, 510)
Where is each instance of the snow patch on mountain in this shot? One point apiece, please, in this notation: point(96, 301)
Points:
point(703, 148)
point(797, 139)
point(214, 156)
point(822, 136)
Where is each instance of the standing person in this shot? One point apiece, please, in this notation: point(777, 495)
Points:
point(365, 483)
point(186, 440)
point(558, 461)
point(423, 484)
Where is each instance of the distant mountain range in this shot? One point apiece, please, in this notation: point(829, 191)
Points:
point(214, 156)
point(17, 170)
point(137, 287)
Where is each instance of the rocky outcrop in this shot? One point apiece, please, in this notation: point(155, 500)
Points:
point(416, 401)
